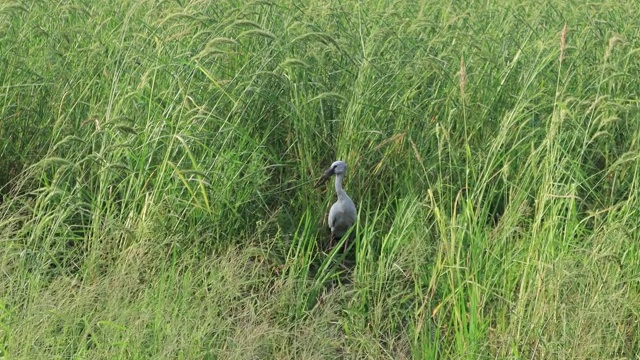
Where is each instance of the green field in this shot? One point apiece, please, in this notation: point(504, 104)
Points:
point(157, 163)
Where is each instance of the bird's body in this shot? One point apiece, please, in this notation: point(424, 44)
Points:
point(342, 214)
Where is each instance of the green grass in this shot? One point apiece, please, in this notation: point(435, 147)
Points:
point(157, 161)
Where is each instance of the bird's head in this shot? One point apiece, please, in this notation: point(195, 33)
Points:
point(337, 168)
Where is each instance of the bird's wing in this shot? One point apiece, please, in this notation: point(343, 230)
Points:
point(349, 211)
point(341, 217)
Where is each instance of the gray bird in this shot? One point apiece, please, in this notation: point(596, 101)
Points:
point(343, 212)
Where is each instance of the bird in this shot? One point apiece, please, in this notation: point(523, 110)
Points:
point(342, 214)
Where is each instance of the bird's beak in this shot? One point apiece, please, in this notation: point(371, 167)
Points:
point(324, 178)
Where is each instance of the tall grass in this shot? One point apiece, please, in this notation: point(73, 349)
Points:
point(157, 161)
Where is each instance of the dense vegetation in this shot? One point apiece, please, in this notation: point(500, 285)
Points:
point(157, 161)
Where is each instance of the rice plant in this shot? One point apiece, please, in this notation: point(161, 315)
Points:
point(157, 163)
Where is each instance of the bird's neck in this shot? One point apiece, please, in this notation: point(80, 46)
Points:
point(339, 190)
